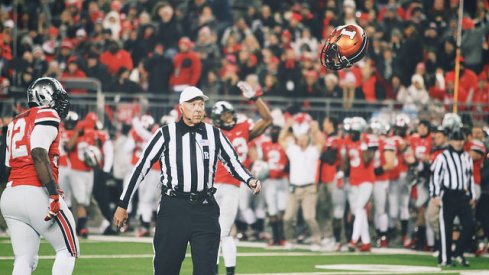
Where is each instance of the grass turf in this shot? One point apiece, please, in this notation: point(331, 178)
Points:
point(105, 258)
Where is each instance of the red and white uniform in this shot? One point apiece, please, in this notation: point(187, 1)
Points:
point(228, 192)
point(275, 187)
point(238, 137)
point(359, 171)
point(381, 185)
point(25, 202)
point(421, 146)
point(65, 165)
point(477, 146)
point(19, 148)
point(362, 177)
point(149, 192)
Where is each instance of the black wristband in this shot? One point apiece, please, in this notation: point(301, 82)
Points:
point(379, 171)
point(51, 187)
point(248, 181)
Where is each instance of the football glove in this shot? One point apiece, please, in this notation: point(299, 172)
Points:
point(248, 91)
point(53, 207)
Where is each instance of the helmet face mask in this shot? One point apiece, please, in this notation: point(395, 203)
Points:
point(218, 110)
point(346, 45)
point(47, 91)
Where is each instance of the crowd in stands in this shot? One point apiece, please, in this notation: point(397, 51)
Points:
point(158, 47)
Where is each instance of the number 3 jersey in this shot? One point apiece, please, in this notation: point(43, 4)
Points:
point(238, 137)
point(18, 153)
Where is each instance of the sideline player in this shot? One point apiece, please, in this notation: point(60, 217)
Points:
point(275, 187)
point(239, 133)
point(360, 155)
point(32, 189)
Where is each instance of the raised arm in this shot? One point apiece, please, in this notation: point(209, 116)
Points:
point(317, 136)
point(284, 134)
point(264, 122)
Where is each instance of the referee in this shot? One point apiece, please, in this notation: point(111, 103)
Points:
point(188, 151)
point(453, 191)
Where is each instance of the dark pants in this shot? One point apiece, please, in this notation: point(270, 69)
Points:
point(455, 203)
point(481, 213)
point(179, 222)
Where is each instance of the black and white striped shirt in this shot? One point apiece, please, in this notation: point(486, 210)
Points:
point(452, 170)
point(188, 158)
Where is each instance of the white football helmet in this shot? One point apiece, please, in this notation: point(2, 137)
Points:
point(452, 121)
point(358, 124)
point(379, 126)
point(147, 121)
point(402, 120)
point(47, 91)
point(92, 156)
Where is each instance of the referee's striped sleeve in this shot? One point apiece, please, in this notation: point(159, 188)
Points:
point(150, 155)
point(229, 158)
point(470, 174)
point(438, 174)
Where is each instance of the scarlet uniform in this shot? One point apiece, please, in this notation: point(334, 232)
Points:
point(20, 160)
point(421, 146)
point(275, 156)
point(359, 171)
point(477, 163)
point(238, 136)
point(140, 143)
point(63, 155)
point(76, 155)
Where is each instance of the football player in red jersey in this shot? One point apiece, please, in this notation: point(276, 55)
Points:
point(82, 160)
point(384, 161)
point(32, 204)
point(239, 133)
point(332, 194)
point(66, 132)
point(399, 189)
point(149, 192)
point(275, 186)
point(360, 156)
point(421, 143)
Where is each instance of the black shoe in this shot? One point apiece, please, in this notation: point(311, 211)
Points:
point(462, 261)
point(109, 231)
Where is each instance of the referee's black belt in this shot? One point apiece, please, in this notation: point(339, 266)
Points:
point(190, 196)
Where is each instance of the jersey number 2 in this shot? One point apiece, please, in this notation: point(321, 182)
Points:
point(15, 139)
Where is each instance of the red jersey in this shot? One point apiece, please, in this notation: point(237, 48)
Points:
point(359, 171)
point(276, 158)
point(76, 156)
point(401, 166)
point(19, 156)
point(328, 172)
point(421, 146)
point(385, 144)
point(239, 137)
point(65, 136)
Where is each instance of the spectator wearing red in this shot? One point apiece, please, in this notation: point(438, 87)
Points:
point(115, 58)
point(468, 79)
point(481, 95)
point(450, 92)
point(187, 67)
point(74, 71)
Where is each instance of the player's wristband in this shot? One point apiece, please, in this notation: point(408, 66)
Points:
point(51, 187)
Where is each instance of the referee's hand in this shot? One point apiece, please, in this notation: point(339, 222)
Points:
point(255, 185)
point(120, 217)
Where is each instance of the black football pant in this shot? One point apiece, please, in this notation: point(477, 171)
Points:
point(179, 222)
point(454, 203)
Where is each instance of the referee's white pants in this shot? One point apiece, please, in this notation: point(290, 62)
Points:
point(24, 208)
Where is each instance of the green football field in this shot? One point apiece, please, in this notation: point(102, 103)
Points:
point(116, 255)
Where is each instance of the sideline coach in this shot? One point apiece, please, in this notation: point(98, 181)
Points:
point(188, 151)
